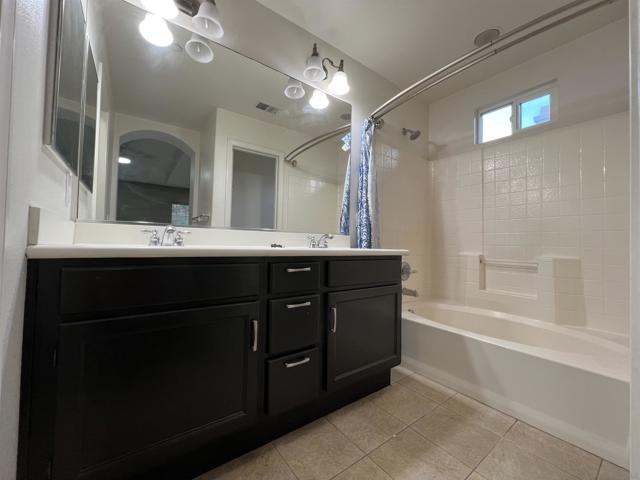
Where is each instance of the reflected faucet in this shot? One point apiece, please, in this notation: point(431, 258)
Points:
point(171, 237)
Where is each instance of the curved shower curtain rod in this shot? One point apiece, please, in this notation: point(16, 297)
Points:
point(431, 80)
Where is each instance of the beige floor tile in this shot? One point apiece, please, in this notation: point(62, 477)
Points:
point(480, 414)
point(508, 462)
point(563, 455)
point(402, 403)
point(365, 469)
point(409, 456)
point(398, 373)
point(468, 442)
point(262, 464)
point(365, 424)
point(318, 451)
point(609, 471)
point(427, 388)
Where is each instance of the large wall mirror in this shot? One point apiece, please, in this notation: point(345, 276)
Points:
point(193, 133)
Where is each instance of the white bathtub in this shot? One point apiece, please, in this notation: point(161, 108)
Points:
point(568, 383)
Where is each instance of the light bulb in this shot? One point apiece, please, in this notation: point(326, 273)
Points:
point(339, 84)
point(319, 100)
point(154, 29)
point(124, 160)
point(164, 8)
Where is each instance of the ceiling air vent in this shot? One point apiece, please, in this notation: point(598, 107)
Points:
point(267, 108)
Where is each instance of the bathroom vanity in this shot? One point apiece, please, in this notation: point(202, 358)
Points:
point(167, 367)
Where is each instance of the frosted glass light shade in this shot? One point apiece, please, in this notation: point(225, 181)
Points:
point(294, 89)
point(207, 21)
point(198, 49)
point(154, 30)
point(313, 70)
point(319, 100)
point(164, 8)
point(339, 84)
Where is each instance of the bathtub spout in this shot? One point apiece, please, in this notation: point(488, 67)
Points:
point(409, 292)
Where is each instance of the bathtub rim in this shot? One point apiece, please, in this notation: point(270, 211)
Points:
point(540, 352)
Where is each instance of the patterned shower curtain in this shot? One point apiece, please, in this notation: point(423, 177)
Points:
point(346, 192)
point(367, 228)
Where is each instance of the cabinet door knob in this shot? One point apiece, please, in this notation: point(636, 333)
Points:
point(298, 363)
point(334, 325)
point(254, 341)
point(291, 306)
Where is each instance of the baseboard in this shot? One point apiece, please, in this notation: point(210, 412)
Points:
point(616, 454)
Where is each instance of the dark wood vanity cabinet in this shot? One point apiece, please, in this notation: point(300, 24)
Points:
point(127, 374)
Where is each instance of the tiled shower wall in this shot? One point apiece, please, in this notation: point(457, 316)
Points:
point(403, 193)
point(558, 198)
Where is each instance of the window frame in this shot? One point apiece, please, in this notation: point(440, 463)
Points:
point(516, 102)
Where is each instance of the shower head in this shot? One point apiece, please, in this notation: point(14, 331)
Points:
point(413, 134)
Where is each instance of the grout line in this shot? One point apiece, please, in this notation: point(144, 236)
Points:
point(275, 447)
point(599, 469)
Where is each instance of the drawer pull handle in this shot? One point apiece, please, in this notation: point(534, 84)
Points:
point(254, 341)
point(291, 306)
point(298, 363)
point(334, 325)
point(298, 270)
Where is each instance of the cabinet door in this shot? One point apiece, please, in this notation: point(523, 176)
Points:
point(134, 391)
point(363, 333)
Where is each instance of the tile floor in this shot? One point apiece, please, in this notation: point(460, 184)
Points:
point(417, 429)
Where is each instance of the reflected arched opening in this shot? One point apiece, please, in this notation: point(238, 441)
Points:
point(154, 178)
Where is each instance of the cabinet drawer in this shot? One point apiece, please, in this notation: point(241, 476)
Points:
point(98, 289)
point(294, 277)
point(343, 273)
point(293, 323)
point(292, 380)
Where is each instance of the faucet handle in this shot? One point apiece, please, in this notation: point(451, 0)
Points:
point(154, 239)
point(179, 240)
point(313, 241)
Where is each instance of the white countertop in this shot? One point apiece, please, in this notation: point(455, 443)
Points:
point(143, 251)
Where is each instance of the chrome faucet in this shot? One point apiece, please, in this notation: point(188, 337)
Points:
point(171, 237)
point(321, 242)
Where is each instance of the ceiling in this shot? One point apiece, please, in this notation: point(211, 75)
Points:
point(165, 85)
point(405, 40)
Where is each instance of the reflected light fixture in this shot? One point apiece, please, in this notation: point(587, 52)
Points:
point(165, 8)
point(198, 49)
point(124, 160)
point(313, 70)
point(154, 29)
point(294, 89)
point(207, 21)
point(319, 100)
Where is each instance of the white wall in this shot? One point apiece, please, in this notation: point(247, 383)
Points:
point(555, 191)
point(634, 14)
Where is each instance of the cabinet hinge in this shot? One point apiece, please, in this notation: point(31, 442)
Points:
point(55, 357)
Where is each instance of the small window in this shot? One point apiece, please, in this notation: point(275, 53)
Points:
point(519, 113)
point(535, 111)
point(496, 124)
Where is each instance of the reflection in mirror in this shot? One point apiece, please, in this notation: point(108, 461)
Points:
point(89, 129)
point(186, 137)
point(66, 121)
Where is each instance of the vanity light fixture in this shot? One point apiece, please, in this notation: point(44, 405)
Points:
point(294, 89)
point(124, 160)
point(155, 30)
point(339, 84)
point(199, 49)
point(165, 8)
point(319, 100)
point(316, 70)
point(313, 70)
point(207, 21)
